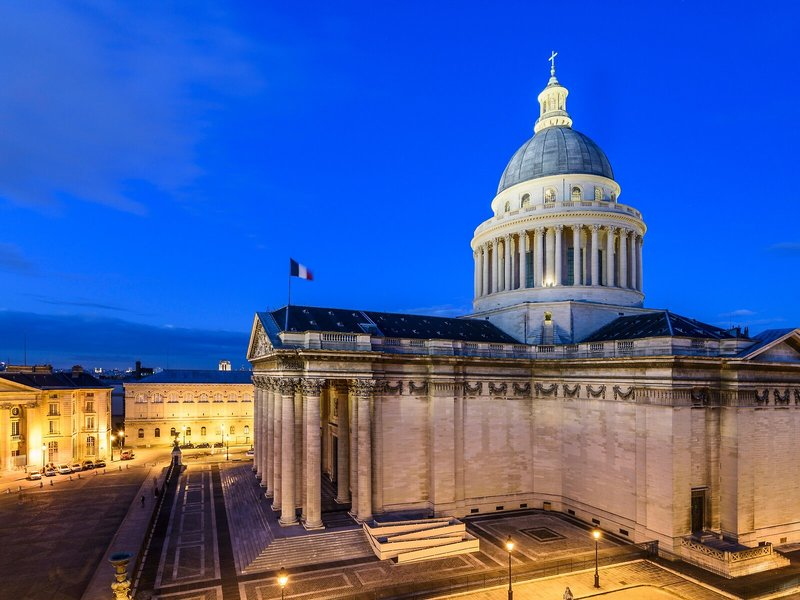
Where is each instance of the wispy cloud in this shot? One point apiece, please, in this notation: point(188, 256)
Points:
point(97, 96)
point(102, 341)
point(12, 259)
point(786, 247)
point(439, 310)
point(80, 302)
point(739, 312)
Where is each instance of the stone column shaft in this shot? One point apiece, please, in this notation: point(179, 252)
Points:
point(277, 447)
point(343, 448)
point(507, 261)
point(270, 439)
point(258, 409)
point(595, 256)
point(364, 390)
point(538, 274)
point(496, 267)
point(610, 256)
point(639, 264)
point(623, 258)
point(484, 270)
point(634, 263)
point(558, 266)
point(523, 259)
point(577, 271)
point(550, 249)
point(288, 476)
point(476, 287)
point(311, 394)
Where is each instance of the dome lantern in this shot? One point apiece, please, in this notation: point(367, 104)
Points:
point(553, 102)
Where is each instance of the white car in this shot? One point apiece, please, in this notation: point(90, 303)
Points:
point(76, 467)
point(64, 469)
point(250, 452)
point(34, 475)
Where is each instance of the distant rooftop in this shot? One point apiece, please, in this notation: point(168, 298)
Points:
point(198, 376)
point(657, 324)
point(56, 381)
point(381, 324)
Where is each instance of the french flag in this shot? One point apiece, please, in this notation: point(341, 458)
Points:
point(298, 270)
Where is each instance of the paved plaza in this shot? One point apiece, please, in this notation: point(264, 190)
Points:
point(216, 537)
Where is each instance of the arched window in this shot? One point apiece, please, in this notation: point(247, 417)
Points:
point(233, 430)
point(549, 195)
point(140, 434)
point(613, 197)
point(526, 201)
point(157, 432)
point(246, 429)
point(202, 431)
point(598, 192)
point(507, 206)
point(576, 193)
point(188, 431)
point(172, 432)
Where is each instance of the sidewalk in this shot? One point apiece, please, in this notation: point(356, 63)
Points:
point(130, 536)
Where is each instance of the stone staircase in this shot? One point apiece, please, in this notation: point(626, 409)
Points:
point(248, 512)
point(312, 549)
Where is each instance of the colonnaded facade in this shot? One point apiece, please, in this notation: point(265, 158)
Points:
point(560, 392)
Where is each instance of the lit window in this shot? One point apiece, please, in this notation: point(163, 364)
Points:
point(89, 422)
point(52, 409)
point(53, 427)
point(157, 432)
point(202, 431)
point(188, 431)
point(140, 434)
point(90, 406)
point(549, 195)
point(526, 201)
point(90, 445)
point(233, 430)
point(246, 429)
point(172, 432)
point(576, 193)
point(14, 427)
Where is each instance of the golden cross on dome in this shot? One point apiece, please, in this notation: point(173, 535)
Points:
point(552, 60)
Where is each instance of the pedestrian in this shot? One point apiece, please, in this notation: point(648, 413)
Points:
point(142, 499)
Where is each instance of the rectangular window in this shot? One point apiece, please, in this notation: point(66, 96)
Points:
point(90, 406)
point(529, 269)
point(52, 451)
point(570, 267)
point(52, 409)
point(89, 422)
point(90, 445)
point(14, 427)
point(53, 427)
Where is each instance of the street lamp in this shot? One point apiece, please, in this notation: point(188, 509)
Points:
point(283, 579)
point(44, 447)
point(596, 536)
point(509, 547)
point(184, 434)
point(113, 437)
point(121, 438)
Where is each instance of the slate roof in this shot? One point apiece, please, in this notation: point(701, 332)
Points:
point(382, 324)
point(56, 381)
point(657, 324)
point(555, 151)
point(197, 376)
point(765, 338)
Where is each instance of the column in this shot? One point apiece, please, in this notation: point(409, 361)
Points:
point(550, 259)
point(458, 435)
point(353, 403)
point(476, 287)
point(484, 269)
point(311, 399)
point(576, 255)
point(300, 450)
point(595, 256)
point(639, 264)
point(507, 261)
point(538, 275)
point(610, 255)
point(288, 515)
point(558, 255)
point(343, 447)
point(258, 405)
point(523, 259)
point(623, 258)
point(364, 390)
point(634, 263)
point(277, 444)
point(496, 267)
point(270, 438)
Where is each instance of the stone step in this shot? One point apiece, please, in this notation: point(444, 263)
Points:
point(312, 549)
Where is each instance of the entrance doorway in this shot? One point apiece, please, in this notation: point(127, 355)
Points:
point(698, 510)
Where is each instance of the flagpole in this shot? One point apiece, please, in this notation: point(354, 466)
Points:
point(288, 302)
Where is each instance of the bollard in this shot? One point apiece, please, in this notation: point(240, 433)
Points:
point(41, 483)
point(79, 475)
point(120, 467)
point(51, 483)
point(19, 488)
point(70, 477)
point(104, 471)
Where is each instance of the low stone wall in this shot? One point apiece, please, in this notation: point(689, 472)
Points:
point(732, 564)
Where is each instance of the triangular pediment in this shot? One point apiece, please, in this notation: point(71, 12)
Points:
point(782, 349)
point(259, 341)
point(8, 387)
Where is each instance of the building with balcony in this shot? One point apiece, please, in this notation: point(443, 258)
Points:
point(194, 406)
point(52, 417)
point(561, 391)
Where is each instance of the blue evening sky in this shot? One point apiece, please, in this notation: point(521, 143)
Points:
point(160, 162)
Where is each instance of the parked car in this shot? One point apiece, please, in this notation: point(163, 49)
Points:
point(49, 471)
point(218, 445)
point(76, 467)
point(99, 464)
point(203, 445)
point(126, 455)
point(88, 464)
point(251, 452)
point(186, 446)
point(64, 469)
point(34, 475)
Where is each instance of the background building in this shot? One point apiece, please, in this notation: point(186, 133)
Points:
point(561, 392)
point(199, 406)
point(50, 417)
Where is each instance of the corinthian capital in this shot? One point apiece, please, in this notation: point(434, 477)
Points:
point(312, 386)
point(364, 387)
point(288, 385)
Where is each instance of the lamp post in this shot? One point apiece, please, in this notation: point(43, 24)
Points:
point(44, 447)
point(283, 579)
point(113, 437)
point(596, 536)
point(184, 434)
point(121, 438)
point(509, 547)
